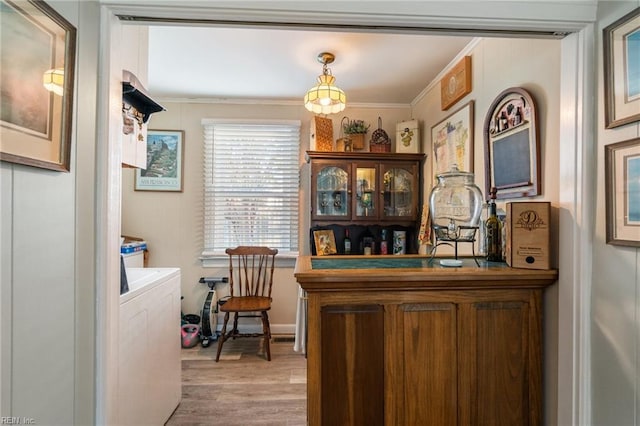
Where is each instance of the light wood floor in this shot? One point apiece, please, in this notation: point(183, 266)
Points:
point(243, 388)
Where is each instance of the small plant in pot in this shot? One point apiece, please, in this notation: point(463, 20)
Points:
point(352, 127)
point(356, 129)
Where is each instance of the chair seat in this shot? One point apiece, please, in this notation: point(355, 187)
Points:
point(246, 304)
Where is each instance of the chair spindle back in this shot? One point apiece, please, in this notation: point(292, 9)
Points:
point(251, 270)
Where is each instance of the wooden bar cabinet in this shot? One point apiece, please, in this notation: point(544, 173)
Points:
point(400, 340)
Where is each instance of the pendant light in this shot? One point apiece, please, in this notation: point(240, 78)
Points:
point(325, 98)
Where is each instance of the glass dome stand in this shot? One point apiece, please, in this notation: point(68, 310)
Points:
point(452, 238)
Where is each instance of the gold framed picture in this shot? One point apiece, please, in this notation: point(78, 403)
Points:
point(325, 242)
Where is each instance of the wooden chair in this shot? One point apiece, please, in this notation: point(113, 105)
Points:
point(250, 282)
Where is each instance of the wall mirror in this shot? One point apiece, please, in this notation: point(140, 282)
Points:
point(511, 145)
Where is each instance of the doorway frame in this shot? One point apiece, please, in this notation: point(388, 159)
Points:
point(576, 203)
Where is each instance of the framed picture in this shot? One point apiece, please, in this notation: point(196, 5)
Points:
point(164, 162)
point(325, 242)
point(452, 141)
point(622, 192)
point(511, 146)
point(621, 42)
point(456, 84)
point(408, 137)
point(38, 67)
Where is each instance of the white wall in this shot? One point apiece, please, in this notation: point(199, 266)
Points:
point(172, 222)
point(615, 332)
point(47, 294)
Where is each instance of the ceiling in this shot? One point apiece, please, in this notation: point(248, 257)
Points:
point(281, 65)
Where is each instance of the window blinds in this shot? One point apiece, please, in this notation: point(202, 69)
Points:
point(251, 185)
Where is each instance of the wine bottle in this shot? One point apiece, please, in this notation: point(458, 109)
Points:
point(493, 232)
point(347, 242)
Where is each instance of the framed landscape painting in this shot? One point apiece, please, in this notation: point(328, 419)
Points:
point(621, 43)
point(622, 190)
point(38, 66)
point(164, 162)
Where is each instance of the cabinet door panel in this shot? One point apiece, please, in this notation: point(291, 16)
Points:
point(399, 189)
point(429, 354)
point(352, 359)
point(502, 389)
point(330, 191)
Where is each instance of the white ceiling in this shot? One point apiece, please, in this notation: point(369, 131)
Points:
point(280, 64)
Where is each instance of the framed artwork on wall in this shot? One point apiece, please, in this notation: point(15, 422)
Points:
point(452, 141)
point(511, 146)
point(164, 162)
point(455, 84)
point(621, 43)
point(38, 71)
point(407, 137)
point(622, 192)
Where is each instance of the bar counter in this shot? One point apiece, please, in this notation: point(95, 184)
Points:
point(403, 340)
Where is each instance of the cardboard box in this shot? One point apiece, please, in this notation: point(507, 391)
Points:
point(527, 234)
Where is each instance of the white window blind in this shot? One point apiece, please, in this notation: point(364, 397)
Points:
point(251, 185)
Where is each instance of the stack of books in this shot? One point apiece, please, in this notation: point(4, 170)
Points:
point(133, 246)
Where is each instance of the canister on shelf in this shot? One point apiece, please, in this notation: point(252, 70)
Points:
point(399, 242)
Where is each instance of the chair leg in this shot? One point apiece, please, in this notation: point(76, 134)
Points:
point(234, 332)
point(266, 330)
point(223, 335)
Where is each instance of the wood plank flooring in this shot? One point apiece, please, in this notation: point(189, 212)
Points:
point(243, 388)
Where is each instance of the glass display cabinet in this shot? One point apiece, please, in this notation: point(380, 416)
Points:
point(365, 188)
point(332, 194)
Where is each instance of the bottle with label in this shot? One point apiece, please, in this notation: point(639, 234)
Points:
point(493, 230)
point(517, 119)
point(383, 242)
point(504, 122)
point(347, 242)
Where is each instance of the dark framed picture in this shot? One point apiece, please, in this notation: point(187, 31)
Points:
point(452, 141)
point(621, 43)
point(511, 145)
point(164, 162)
point(38, 70)
point(622, 192)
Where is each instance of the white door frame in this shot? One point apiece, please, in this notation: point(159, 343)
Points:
point(576, 206)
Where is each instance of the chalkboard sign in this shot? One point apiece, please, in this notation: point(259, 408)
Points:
point(511, 157)
point(511, 145)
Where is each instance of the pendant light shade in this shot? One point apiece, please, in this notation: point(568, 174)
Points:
point(53, 81)
point(325, 98)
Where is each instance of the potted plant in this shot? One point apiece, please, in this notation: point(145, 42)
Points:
point(356, 129)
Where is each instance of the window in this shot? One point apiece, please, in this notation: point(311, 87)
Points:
point(251, 184)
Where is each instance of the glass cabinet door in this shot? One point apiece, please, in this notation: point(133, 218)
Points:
point(331, 192)
point(399, 192)
point(366, 196)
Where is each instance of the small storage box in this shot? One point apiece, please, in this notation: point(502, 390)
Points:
point(527, 235)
